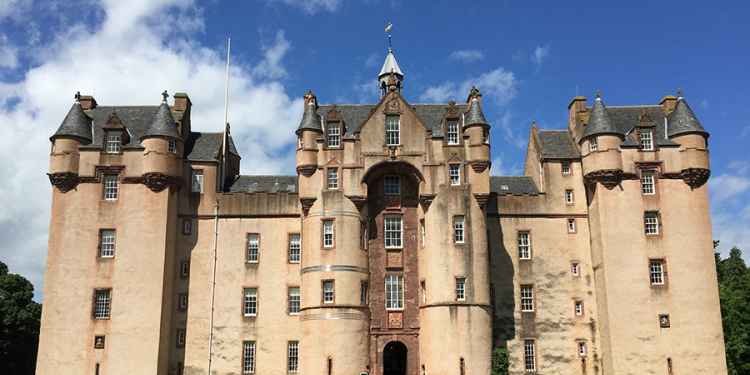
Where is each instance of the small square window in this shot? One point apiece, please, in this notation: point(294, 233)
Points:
point(332, 178)
point(329, 292)
point(99, 342)
point(454, 174)
point(566, 168)
point(392, 185)
point(460, 289)
point(569, 198)
point(578, 308)
point(593, 144)
point(664, 321)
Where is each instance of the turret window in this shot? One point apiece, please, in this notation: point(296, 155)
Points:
point(394, 292)
point(527, 298)
point(393, 232)
point(459, 229)
point(250, 302)
point(333, 135)
point(529, 355)
point(333, 178)
point(392, 130)
point(454, 174)
point(172, 146)
point(452, 132)
point(651, 223)
point(647, 140)
point(111, 187)
point(593, 144)
point(113, 142)
point(329, 293)
point(648, 182)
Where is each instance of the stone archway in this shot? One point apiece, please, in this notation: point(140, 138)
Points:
point(395, 358)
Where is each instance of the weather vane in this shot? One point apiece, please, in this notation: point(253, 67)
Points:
point(388, 28)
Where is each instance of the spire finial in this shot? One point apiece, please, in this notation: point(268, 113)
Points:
point(598, 95)
point(77, 96)
point(164, 96)
point(388, 28)
point(679, 94)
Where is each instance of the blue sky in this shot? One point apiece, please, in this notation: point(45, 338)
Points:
point(529, 61)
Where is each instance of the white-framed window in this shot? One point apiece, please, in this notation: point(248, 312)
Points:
point(529, 355)
point(527, 298)
point(565, 167)
point(328, 234)
point(454, 174)
point(292, 366)
point(197, 181)
point(392, 185)
point(392, 130)
point(647, 140)
point(575, 269)
point(253, 248)
point(569, 198)
point(571, 225)
point(102, 303)
point(593, 144)
point(394, 292)
point(393, 232)
point(452, 133)
point(656, 271)
point(460, 289)
point(459, 229)
point(107, 239)
point(111, 187)
point(524, 245)
point(329, 291)
point(332, 178)
point(295, 248)
point(578, 308)
point(363, 292)
point(582, 348)
point(651, 223)
point(648, 182)
point(248, 357)
point(180, 337)
point(113, 142)
point(182, 302)
point(172, 146)
point(333, 135)
point(293, 300)
point(250, 302)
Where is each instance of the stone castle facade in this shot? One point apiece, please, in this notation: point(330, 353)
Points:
point(392, 251)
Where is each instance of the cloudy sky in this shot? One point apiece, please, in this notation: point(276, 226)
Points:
point(529, 62)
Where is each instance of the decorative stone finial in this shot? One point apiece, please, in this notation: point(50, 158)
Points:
point(679, 94)
point(474, 94)
point(77, 96)
point(310, 99)
point(164, 96)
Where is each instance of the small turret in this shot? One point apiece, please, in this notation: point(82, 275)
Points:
point(310, 128)
point(684, 128)
point(162, 145)
point(391, 76)
point(477, 128)
point(74, 131)
point(600, 144)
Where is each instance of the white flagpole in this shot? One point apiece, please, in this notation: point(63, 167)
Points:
point(224, 141)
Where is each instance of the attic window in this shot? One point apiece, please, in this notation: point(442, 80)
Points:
point(504, 187)
point(113, 142)
point(452, 132)
point(333, 135)
point(647, 140)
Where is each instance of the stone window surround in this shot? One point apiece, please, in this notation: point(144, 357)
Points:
point(529, 244)
point(298, 250)
point(247, 291)
point(323, 222)
point(248, 242)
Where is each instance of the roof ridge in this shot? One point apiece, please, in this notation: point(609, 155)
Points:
point(633, 106)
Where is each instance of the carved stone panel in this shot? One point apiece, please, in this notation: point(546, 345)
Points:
point(395, 319)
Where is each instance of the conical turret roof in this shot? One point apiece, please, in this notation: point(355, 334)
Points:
point(683, 121)
point(475, 116)
point(75, 125)
point(390, 65)
point(310, 118)
point(163, 124)
point(599, 121)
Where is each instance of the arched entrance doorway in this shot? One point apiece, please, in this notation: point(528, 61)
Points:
point(394, 358)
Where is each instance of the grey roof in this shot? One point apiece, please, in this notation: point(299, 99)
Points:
point(558, 144)
point(513, 185)
point(355, 115)
point(599, 122)
point(136, 119)
point(310, 118)
point(625, 119)
point(162, 124)
point(475, 116)
point(264, 184)
point(76, 124)
point(683, 121)
point(206, 146)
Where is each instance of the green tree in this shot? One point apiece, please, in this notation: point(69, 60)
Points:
point(734, 292)
point(500, 361)
point(19, 324)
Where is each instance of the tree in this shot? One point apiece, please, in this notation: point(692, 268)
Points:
point(734, 292)
point(500, 361)
point(19, 324)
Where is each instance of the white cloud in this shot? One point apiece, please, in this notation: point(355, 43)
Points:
point(14, 8)
point(311, 6)
point(539, 54)
point(498, 85)
point(500, 167)
point(730, 207)
point(727, 186)
point(8, 53)
point(147, 61)
point(467, 55)
point(270, 66)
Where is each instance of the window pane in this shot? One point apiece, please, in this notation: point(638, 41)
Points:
point(248, 357)
point(460, 288)
point(458, 229)
point(197, 181)
point(392, 185)
point(656, 272)
point(648, 186)
point(524, 245)
point(113, 143)
point(107, 243)
point(328, 291)
point(328, 235)
point(527, 298)
point(333, 135)
point(651, 223)
point(454, 174)
point(393, 232)
point(110, 186)
point(453, 132)
point(646, 138)
point(253, 248)
point(250, 302)
point(102, 303)
point(529, 355)
point(333, 178)
point(295, 248)
point(394, 292)
point(392, 130)
point(293, 357)
point(294, 300)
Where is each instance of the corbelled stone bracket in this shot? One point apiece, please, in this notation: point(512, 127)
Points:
point(425, 200)
point(65, 181)
point(695, 177)
point(159, 181)
point(358, 201)
point(306, 204)
point(609, 177)
point(482, 199)
point(479, 165)
point(306, 170)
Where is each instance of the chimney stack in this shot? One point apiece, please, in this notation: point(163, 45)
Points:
point(87, 102)
point(668, 104)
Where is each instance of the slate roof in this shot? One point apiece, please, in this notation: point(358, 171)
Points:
point(557, 144)
point(599, 121)
point(475, 115)
point(206, 146)
point(310, 119)
point(626, 118)
point(264, 184)
point(683, 121)
point(76, 124)
point(136, 120)
point(513, 185)
point(162, 125)
point(355, 115)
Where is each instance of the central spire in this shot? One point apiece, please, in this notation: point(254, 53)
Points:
point(391, 76)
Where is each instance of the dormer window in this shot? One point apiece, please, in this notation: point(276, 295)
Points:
point(392, 130)
point(113, 142)
point(333, 135)
point(647, 140)
point(452, 132)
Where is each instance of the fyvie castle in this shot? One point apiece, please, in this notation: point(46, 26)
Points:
point(392, 251)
